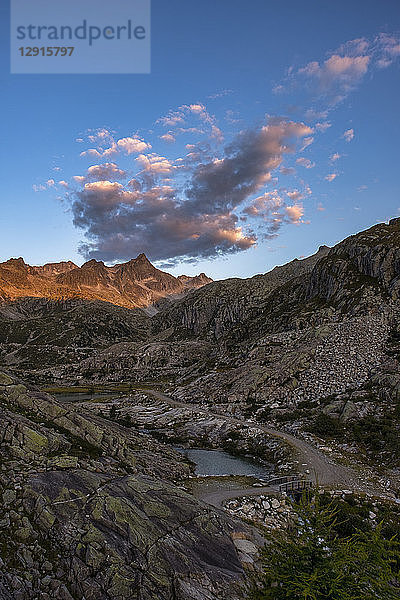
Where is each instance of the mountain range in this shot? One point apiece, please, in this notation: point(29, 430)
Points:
point(136, 283)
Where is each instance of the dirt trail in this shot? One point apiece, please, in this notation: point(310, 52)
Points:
point(218, 497)
point(322, 470)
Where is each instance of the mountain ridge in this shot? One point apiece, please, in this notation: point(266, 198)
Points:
point(133, 284)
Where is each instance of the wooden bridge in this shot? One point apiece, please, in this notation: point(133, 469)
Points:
point(289, 483)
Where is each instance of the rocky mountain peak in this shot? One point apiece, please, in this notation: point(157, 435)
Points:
point(142, 259)
point(136, 283)
point(55, 268)
point(93, 263)
point(16, 262)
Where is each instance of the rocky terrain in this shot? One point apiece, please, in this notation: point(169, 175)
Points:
point(192, 427)
point(299, 364)
point(35, 332)
point(133, 284)
point(94, 510)
point(317, 336)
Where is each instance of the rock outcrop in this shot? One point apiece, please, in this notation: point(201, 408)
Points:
point(222, 305)
point(36, 333)
point(93, 510)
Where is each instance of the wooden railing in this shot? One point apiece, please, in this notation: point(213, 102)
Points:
point(295, 485)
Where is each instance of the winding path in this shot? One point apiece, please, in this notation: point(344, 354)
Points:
point(322, 470)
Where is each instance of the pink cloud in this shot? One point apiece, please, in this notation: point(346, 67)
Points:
point(168, 137)
point(348, 135)
point(295, 213)
point(331, 177)
point(305, 162)
point(132, 145)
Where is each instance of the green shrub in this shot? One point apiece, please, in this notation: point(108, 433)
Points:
point(326, 426)
point(311, 561)
point(377, 434)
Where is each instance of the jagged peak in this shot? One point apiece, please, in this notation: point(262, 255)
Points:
point(61, 263)
point(142, 259)
point(16, 261)
point(92, 263)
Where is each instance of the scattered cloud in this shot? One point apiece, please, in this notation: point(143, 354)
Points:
point(388, 48)
point(265, 205)
point(305, 162)
point(214, 200)
point(99, 135)
point(107, 145)
point(278, 88)
point(295, 195)
point(190, 119)
point(104, 172)
point(132, 145)
point(313, 114)
point(331, 176)
point(168, 137)
point(322, 127)
point(295, 213)
point(232, 116)
point(272, 209)
point(287, 170)
point(306, 142)
point(348, 135)
point(41, 187)
point(216, 134)
point(334, 78)
point(220, 94)
point(79, 178)
point(152, 163)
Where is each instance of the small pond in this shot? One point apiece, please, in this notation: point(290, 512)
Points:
point(217, 463)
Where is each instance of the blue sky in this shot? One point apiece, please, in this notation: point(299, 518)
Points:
point(262, 132)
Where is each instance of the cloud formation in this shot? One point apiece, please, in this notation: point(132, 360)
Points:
point(331, 176)
point(336, 76)
point(190, 119)
point(203, 199)
point(272, 208)
point(348, 135)
point(41, 187)
point(168, 137)
point(104, 172)
point(188, 208)
point(107, 145)
point(331, 80)
point(305, 162)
